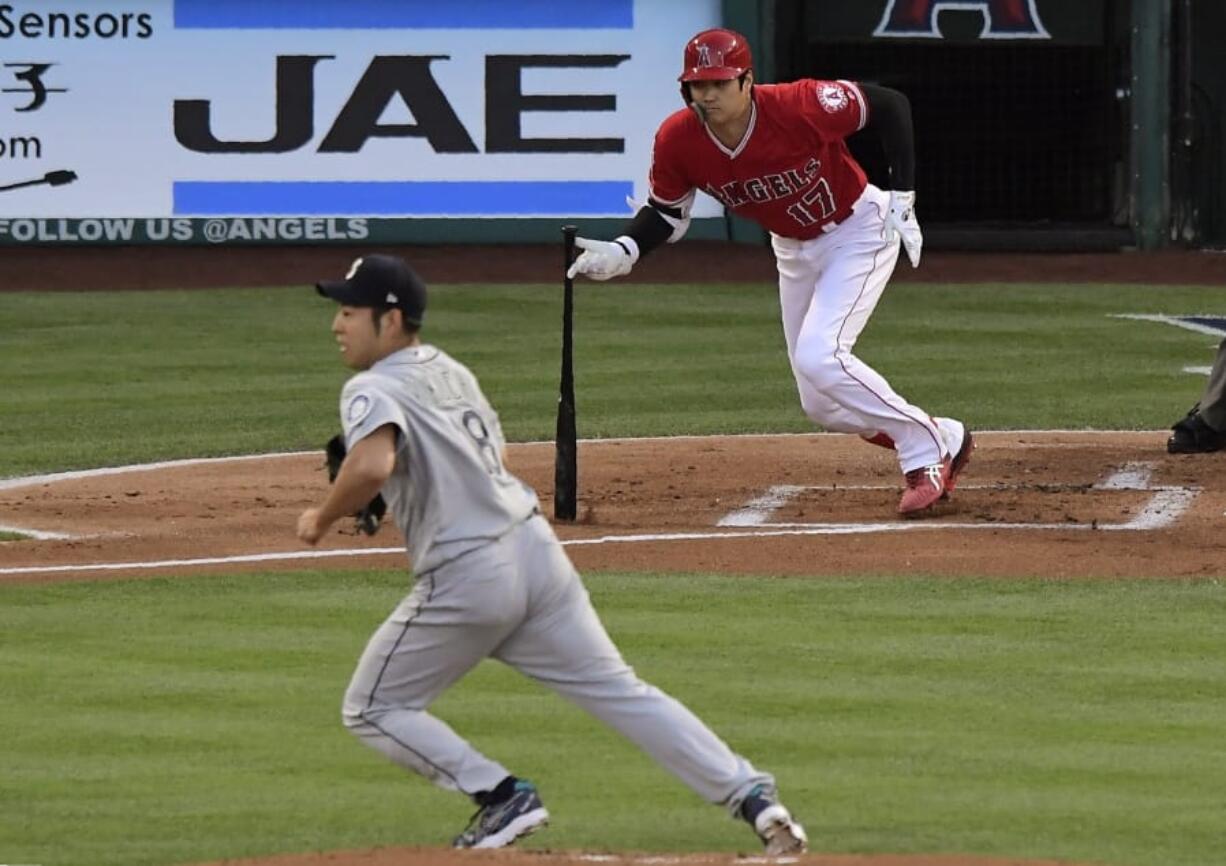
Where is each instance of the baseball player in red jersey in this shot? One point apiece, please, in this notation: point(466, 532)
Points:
point(776, 153)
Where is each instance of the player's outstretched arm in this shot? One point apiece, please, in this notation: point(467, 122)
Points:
point(652, 226)
point(890, 117)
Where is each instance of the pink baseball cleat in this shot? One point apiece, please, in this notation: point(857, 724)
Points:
point(925, 486)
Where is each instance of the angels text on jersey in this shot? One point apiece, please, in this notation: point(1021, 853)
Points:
point(816, 202)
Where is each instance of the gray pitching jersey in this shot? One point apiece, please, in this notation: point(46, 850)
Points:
point(515, 596)
point(449, 492)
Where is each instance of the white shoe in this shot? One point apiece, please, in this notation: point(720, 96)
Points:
point(779, 832)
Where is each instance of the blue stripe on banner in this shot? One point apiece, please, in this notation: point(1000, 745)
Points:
point(402, 198)
point(405, 14)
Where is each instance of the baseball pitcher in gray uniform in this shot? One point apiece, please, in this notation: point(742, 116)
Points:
point(492, 580)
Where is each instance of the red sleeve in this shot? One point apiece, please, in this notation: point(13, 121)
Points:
point(837, 108)
point(667, 180)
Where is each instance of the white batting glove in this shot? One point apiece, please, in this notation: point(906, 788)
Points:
point(603, 260)
point(900, 221)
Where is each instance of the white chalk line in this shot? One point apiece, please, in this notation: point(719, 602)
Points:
point(1162, 510)
point(36, 534)
point(54, 477)
point(771, 531)
point(1174, 320)
point(77, 474)
point(1130, 476)
point(105, 471)
point(200, 561)
point(1155, 516)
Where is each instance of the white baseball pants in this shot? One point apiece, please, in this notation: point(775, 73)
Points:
point(519, 600)
point(828, 288)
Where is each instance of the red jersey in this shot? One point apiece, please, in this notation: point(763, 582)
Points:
point(791, 173)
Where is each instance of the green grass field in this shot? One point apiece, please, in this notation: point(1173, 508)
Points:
point(178, 720)
point(111, 378)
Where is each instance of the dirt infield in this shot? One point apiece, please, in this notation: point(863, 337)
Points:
point(1047, 505)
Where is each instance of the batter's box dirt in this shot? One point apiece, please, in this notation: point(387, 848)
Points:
point(1022, 507)
point(1100, 504)
point(1125, 499)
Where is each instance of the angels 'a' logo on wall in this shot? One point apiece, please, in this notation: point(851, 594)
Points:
point(1002, 19)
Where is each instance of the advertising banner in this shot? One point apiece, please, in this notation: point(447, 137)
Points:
point(230, 120)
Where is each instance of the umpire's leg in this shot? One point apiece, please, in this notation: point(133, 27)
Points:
point(1213, 405)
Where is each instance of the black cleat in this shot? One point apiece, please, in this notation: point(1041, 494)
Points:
point(499, 824)
point(1191, 435)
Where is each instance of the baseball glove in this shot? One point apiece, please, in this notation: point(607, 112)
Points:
point(370, 517)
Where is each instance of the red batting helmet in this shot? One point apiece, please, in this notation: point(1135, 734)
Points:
point(716, 55)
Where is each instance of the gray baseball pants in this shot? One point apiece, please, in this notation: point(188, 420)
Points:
point(1213, 405)
point(519, 600)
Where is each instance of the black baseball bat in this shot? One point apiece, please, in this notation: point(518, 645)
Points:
point(566, 454)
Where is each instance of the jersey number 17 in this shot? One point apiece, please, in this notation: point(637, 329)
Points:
point(819, 198)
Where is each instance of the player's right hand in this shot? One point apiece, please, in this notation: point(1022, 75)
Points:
point(310, 528)
point(603, 260)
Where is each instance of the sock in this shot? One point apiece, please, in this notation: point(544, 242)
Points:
point(753, 804)
point(881, 440)
point(501, 792)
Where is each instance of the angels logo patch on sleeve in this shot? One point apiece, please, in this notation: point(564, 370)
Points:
point(833, 97)
point(843, 109)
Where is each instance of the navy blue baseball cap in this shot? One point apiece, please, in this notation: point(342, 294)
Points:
point(378, 280)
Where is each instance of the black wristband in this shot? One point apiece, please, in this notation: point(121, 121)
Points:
point(649, 229)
